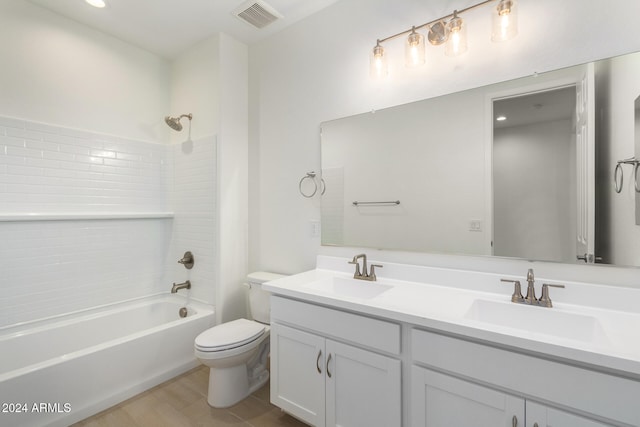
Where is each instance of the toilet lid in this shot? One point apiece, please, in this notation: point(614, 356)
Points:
point(229, 335)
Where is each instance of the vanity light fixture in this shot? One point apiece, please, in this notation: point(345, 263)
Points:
point(449, 30)
point(96, 3)
point(505, 22)
point(457, 40)
point(414, 49)
point(379, 66)
point(501, 118)
point(437, 33)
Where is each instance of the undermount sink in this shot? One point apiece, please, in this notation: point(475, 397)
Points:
point(351, 288)
point(540, 320)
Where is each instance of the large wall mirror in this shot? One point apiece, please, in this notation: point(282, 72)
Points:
point(521, 169)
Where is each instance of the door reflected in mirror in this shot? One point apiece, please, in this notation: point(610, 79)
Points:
point(534, 175)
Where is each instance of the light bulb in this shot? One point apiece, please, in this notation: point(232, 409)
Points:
point(457, 39)
point(414, 49)
point(96, 3)
point(378, 67)
point(505, 21)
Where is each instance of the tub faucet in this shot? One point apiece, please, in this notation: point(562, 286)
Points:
point(176, 287)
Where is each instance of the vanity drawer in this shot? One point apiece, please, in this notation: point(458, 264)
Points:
point(366, 331)
point(560, 384)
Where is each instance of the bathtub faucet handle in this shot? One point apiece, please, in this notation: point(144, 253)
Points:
point(187, 260)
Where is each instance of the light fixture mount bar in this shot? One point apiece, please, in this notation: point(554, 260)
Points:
point(426, 24)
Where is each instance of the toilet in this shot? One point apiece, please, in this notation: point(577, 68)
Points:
point(236, 352)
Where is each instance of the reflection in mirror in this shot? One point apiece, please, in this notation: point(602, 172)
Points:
point(532, 135)
point(419, 155)
point(636, 129)
point(469, 186)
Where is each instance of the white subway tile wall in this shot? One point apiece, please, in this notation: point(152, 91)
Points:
point(52, 169)
point(49, 268)
point(193, 201)
point(53, 267)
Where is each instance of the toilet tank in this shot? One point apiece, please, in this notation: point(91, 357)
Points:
point(259, 303)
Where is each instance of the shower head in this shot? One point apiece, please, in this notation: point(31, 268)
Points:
point(174, 122)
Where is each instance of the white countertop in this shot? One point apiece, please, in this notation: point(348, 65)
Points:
point(604, 337)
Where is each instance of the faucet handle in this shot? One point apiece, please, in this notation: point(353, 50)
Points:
point(544, 300)
point(355, 261)
point(187, 260)
point(372, 272)
point(517, 290)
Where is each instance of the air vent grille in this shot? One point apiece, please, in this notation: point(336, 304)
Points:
point(257, 13)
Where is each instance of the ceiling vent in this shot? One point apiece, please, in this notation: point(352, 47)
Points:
point(257, 13)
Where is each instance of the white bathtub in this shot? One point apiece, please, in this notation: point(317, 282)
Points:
point(59, 371)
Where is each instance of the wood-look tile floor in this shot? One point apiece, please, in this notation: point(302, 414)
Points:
point(182, 401)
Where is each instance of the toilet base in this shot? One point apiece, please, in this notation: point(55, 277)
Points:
point(228, 386)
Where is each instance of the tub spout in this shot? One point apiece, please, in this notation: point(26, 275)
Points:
point(176, 287)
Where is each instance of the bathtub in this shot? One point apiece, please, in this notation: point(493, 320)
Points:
point(64, 369)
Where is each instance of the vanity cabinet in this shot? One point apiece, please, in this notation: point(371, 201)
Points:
point(440, 400)
point(459, 382)
point(296, 386)
point(539, 415)
point(329, 367)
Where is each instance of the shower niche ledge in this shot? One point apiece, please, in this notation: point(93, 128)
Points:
point(79, 216)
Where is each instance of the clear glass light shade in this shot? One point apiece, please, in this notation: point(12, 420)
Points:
point(457, 38)
point(96, 3)
point(378, 65)
point(414, 54)
point(505, 21)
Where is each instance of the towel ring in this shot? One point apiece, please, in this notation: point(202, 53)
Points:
point(618, 172)
point(312, 176)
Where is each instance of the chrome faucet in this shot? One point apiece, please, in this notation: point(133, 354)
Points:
point(530, 299)
point(176, 287)
point(364, 275)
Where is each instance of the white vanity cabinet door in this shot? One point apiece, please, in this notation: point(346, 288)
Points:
point(363, 388)
point(543, 416)
point(577, 388)
point(440, 400)
point(298, 373)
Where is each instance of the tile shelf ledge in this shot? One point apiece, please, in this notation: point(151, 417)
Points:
point(70, 216)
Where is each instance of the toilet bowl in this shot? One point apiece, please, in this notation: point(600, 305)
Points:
point(236, 352)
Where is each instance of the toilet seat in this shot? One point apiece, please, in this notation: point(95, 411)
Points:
point(226, 336)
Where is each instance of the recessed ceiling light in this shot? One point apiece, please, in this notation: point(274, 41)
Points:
point(501, 118)
point(96, 3)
